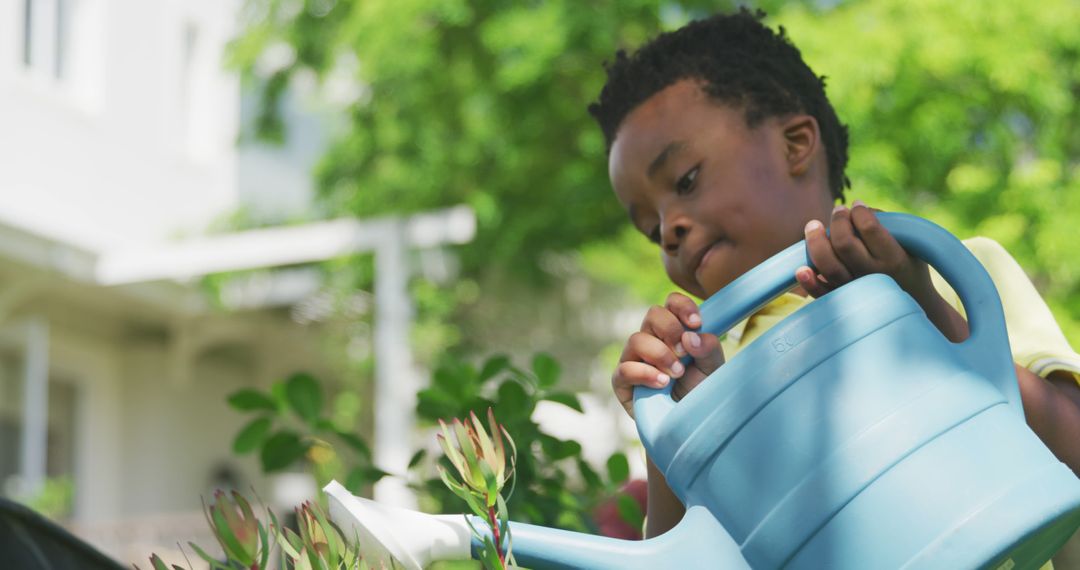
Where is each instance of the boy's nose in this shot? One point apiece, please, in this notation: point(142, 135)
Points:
point(674, 237)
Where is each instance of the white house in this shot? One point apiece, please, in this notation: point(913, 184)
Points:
point(118, 149)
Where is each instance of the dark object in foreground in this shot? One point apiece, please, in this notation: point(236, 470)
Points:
point(29, 541)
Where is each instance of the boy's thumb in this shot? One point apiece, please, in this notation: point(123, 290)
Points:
point(705, 348)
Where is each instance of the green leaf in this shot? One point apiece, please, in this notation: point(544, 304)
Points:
point(489, 556)
point(287, 547)
point(448, 442)
point(567, 399)
point(252, 435)
point(629, 510)
point(305, 396)
point(513, 402)
point(265, 546)
point(227, 536)
point(361, 476)
point(281, 450)
point(374, 474)
point(456, 380)
point(547, 370)
point(618, 468)
point(592, 480)
point(214, 563)
point(250, 399)
point(158, 563)
point(463, 493)
point(417, 458)
point(493, 366)
point(560, 449)
point(357, 443)
point(434, 404)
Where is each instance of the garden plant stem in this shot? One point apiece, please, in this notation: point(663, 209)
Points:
point(494, 522)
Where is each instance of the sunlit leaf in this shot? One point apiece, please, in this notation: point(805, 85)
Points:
point(618, 468)
point(417, 458)
point(281, 450)
point(252, 435)
point(565, 398)
point(629, 510)
point(305, 396)
point(547, 370)
point(493, 366)
point(250, 399)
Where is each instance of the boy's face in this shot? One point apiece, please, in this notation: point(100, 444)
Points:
point(718, 197)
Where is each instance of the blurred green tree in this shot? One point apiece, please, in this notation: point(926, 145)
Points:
point(479, 102)
point(963, 112)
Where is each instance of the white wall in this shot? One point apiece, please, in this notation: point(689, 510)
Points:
point(137, 143)
point(176, 435)
point(141, 149)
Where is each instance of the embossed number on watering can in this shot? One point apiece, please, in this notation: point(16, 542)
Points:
point(783, 343)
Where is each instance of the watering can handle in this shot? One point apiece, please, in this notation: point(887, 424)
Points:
point(921, 238)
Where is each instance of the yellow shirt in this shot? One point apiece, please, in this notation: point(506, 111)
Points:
point(1035, 338)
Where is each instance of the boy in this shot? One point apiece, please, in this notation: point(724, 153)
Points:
point(724, 150)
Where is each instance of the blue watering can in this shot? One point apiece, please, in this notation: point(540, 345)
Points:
point(852, 435)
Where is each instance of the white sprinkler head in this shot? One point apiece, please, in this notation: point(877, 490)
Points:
point(393, 537)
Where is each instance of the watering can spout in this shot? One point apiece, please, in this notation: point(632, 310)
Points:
point(394, 537)
point(698, 541)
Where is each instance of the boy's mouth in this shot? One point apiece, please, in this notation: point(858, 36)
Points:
point(703, 256)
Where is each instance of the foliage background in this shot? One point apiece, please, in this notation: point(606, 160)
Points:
point(962, 112)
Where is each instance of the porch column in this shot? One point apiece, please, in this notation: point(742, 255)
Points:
point(35, 427)
point(395, 382)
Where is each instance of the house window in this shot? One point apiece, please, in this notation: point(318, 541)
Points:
point(47, 30)
point(60, 438)
point(62, 46)
point(27, 31)
point(62, 39)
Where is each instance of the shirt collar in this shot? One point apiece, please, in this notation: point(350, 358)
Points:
point(736, 332)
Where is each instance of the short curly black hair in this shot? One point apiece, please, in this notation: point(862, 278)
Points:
point(741, 62)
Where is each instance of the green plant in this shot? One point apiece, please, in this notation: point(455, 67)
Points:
point(320, 544)
point(55, 497)
point(480, 462)
point(290, 425)
point(555, 485)
point(244, 539)
point(247, 542)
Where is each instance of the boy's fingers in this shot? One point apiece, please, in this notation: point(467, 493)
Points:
point(629, 374)
point(662, 324)
point(847, 244)
point(645, 347)
point(822, 254)
point(685, 309)
point(705, 348)
point(687, 383)
point(879, 242)
point(810, 282)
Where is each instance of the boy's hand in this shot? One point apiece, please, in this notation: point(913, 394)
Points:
point(651, 356)
point(858, 245)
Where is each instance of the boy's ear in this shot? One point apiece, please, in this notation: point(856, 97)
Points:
point(801, 139)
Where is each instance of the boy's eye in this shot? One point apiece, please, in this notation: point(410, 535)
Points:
point(654, 235)
point(686, 183)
